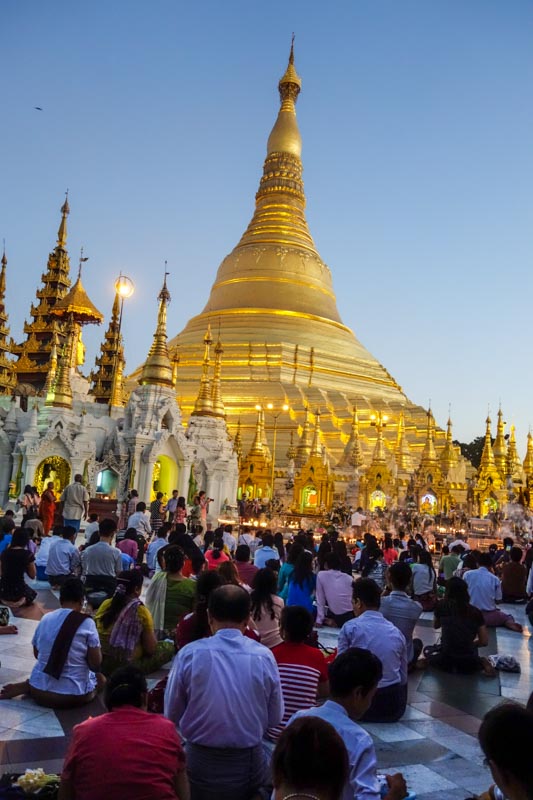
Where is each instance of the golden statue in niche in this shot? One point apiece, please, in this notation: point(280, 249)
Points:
point(55, 469)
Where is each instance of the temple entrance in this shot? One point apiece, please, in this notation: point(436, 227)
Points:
point(164, 477)
point(378, 499)
point(107, 483)
point(428, 504)
point(55, 469)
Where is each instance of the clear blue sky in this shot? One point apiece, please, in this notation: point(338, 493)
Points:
point(417, 123)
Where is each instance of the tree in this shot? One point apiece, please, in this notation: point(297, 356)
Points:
point(473, 450)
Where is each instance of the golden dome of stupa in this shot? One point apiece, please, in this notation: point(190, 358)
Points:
point(274, 304)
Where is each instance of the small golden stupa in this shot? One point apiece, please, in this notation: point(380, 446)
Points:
point(283, 339)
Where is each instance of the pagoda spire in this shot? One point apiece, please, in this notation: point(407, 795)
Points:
point(33, 354)
point(353, 454)
point(514, 465)
point(448, 456)
point(500, 446)
point(487, 456)
point(379, 455)
point(291, 452)
point(258, 448)
point(429, 454)
point(204, 403)
point(528, 461)
point(157, 369)
point(49, 386)
point(403, 456)
point(216, 392)
point(237, 443)
point(304, 445)
point(8, 378)
point(107, 383)
point(316, 446)
point(61, 393)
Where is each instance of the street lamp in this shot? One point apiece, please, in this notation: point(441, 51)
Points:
point(275, 414)
point(124, 288)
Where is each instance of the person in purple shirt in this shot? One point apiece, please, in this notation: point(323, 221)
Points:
point(223, 693)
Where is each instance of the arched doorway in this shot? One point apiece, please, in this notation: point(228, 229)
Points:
point(164, 476)
point(107, 483)
point(55, 469)
point(309, 497)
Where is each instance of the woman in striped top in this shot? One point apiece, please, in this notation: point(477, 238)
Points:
point(303, 670)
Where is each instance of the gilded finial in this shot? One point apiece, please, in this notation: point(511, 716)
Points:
point(204, 402)
point(316, 447)
point(216, 393)
point(4, 258)
point(62, 232)
point(285, 136)
point(157, 368)
point(82, 262)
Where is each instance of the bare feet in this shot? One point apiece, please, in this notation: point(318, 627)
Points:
point(514, 626)
point(14, 690)
point(5, 629)
point(487, 669)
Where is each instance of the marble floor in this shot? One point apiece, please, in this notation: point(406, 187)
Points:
point(434, 745)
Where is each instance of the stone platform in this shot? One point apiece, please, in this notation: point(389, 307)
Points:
point(434, 745)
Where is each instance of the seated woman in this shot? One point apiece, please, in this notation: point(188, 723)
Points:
point(266, 607)
point(170, 595)
point(424, 581)
point(302, 583)
point(216, 555)
point(126, 629)
point(230, 575)
point(294, 551)
point(514, 578)
point(463, 631)
point(126, 753)
point(67, 649)
point(15, 562)
point(310, 760)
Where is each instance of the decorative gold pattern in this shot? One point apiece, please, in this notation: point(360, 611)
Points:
point(157, 368)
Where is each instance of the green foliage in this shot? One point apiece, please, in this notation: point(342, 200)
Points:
point(473, 450)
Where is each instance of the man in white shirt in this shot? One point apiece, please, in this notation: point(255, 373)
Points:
point(353, 680)
point(140, 521)
point(333, 593)
point(74, 503)
point(373, 632)
point(92, 527)
point(63, 559)
point(223, 693)
point(357, 520)
point(485, 592)
point(229, 539)
point(102, 562)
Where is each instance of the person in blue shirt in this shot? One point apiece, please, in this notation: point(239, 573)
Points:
point(266, 553)
point(302, 583)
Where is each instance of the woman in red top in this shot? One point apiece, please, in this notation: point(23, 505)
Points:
point(216, 556)
point(126, 752)
point(390, 555)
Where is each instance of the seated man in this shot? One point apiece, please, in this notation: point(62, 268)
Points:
point(223, 693)
point(302, 669)
point(63, 558)
point(333, 593)
point(450, 561)
point(486, 592)
point(245, 569)
point(67, 649)
point(514, 578)
point(506, 737)
point(102, 562)
point(373, 632)
point(353, 679)
point(403, 612)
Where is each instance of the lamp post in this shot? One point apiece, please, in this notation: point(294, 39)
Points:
point(124, 288)
point(275, 414)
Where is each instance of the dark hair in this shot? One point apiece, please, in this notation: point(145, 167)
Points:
point(400, 575)
point(310, 757)
point(508, 541)
point(424, 557)
point(72, 591)
point(95, 538)
point(57, 530)
point(131, 534)
point(445, 550)
point(229, 573)
point(181, 527)
point(197, 563)
point(229, 604)
point(162, 533)
point(457, 592)
point(69, 532)
point(264, 587)
point(28, 489)
point(294, 551)
point(125, 687)
point(374, 554)
point(516, 554)
point(354, 668)
point(127, 582)
point(218, 546)
point(367, 591)
point(107, 527)
point(181, 503)
point(505, 737)
point(93, 517)
point(278, 544)
point(387, 544)
point(206, 583)
point(471, 562)
point(297, 622)
point(20, 538)
point(209, 538)
point(332, 561)
point(485, 560)
point(242, 553)
point(268, 540)
point(174, 559)
point(140, 506)
point(303, 569)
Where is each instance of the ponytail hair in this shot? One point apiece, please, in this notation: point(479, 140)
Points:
point(125, 687)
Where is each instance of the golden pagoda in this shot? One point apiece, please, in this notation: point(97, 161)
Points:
point(107, 381)
point(313, 484)
point(284, 340)
point(8, 377)
point(157, 368)
point(514, 465)
point(448, 456)
point(255, 474)
point(489, 490)
point(352, 458)
point(402, 454)
point(34, 352)
point(499, 447)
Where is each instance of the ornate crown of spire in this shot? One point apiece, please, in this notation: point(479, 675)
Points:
point(157, 367)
